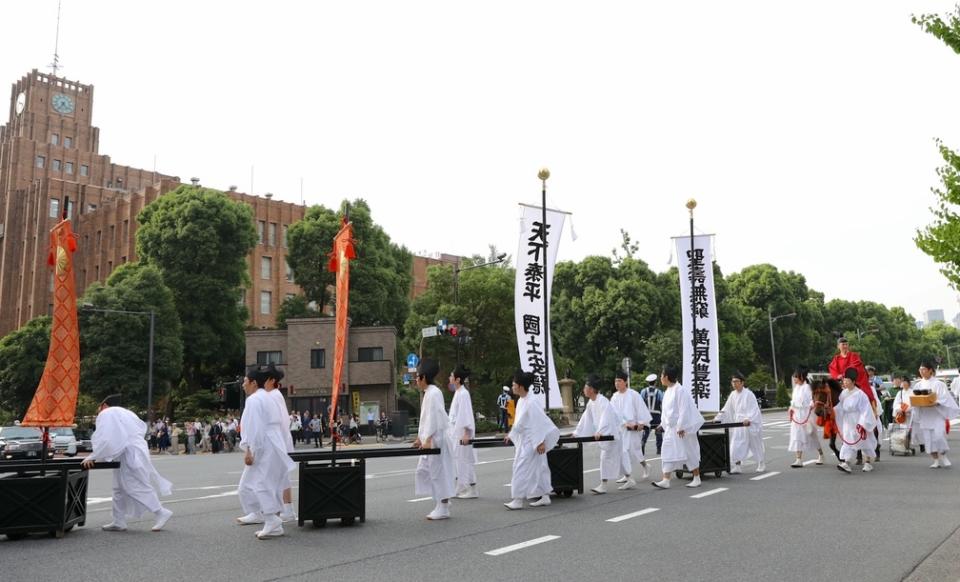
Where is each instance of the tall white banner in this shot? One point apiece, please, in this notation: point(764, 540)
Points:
point(701, 364)
point(529, 298)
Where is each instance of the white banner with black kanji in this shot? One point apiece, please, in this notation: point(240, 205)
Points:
point(701, 340)
point(529, 297)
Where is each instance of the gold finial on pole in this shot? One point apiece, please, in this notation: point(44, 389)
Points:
point(543, 174)
point(691, 204)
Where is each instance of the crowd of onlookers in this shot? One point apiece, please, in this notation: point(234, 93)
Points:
point(216, 435)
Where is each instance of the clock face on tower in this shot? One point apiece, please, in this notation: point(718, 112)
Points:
point(62, 103)
point(21, 102)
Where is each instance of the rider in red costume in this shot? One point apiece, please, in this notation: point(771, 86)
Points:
point(847, 359)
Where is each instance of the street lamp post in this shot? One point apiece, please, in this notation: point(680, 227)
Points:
point(456, 286)
point(773, 350)
point(949, 361)
point(152, 314)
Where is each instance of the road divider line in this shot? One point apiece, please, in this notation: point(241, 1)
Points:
point(764, 476)
point(767, 438)
point(708, 493)
point(419, 499)
point(591, 470)
point(521, 545)
point(627, 516)
point(810, 462)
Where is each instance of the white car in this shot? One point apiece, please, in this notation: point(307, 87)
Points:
point(64, 441)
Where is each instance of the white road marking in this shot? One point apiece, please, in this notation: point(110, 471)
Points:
point(764, 476)
point(591, 470)
point(708, 493)
point(94, 500)
point(494, 461)
point(767, 438)
point(627, 516)
point(508, 484)
point(810, 462)
point(521, 545)
point(419, 499)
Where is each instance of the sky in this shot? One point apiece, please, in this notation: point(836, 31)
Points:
point(805, 131)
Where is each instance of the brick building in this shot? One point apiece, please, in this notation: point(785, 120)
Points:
point(422, 263)
point(49, 157)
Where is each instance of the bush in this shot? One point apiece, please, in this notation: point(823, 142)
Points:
point(485, 425)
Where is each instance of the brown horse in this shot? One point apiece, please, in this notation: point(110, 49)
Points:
point(826, 395)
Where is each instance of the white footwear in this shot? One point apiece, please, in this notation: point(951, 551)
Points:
point(288, 516)
point(736, 470)
point(250, 519)
point(629, 484)
point(761, 468)
point(867, 467)
point(944, 461)
point(468, 493)
point(441, 511)
point(695, 482)
point(819, 459)
point(515, 504)
point(162, 517)
point(273, 528)
point(843, 466)
point(600, 489)
point(798, 464)
point(113, 527)
point(542, 502)
point(936, 464)
point(662, 484)
point(622, 480)
point(646, 470)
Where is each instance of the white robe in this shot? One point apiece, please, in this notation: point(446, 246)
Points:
point(461, 420)
point(854, 408)
point(929, 422)
point(435, 473)
point(136, 484)
point(262, 433)
point(531, 471)
point(601, 418)
point(747, 441)
point(679, 413)
point(631, 409)
point(283, 419)
point(803, 427)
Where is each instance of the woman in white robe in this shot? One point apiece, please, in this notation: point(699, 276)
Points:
point(462, 430)
point(435, 473)
point(742, 407)
point(533, 434)
point(119, 436)
point(634, 416)
point(929, 423)
point(679, 420)
point(856, 421)
point(803, 427)
point(270, 385)
point(601, 419)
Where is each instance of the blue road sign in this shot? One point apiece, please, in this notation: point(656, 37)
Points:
point(412, 360)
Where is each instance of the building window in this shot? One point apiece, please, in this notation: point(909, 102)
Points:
point(284, 236)
point(55, 138)
point(289, 273)
point(260, 225)
point(54, 208)
point(51, 280)
point(266, 267)
point(264, 358)
point(265, 300)
point(68, 167)
point(41, 161)
point(84, 170)
point(99, 240)
point(272, 234)
point(126, 230)
point(370, 354)
point(318, 358)
point(70, 209)
point(56, 166)
point(113, 236)
point(67, 142)
point(97, 271)
point(91, 207)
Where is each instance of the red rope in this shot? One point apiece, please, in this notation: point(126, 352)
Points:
point(809, 412)
point(828, 405)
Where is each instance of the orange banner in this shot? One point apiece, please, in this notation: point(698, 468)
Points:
point(340, 258)
point(55, 402)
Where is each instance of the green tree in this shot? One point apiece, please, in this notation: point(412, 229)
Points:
point(199, 239)
point(295, 307)
point(23, 354)
point(380, 278)
point(115, 346)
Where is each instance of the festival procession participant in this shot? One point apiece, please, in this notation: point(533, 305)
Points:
point(267, 465)
point(272, 377)
point(929, 423)
point(856, 421)
point(532, 435)
point(843, 361)
point(803, 430)
point(742, 407)
point(600, 419)
point(435, 473)
point(653, 398)
point(462, 429)
point(679, 421)
point(634, 418)
point(119, 436)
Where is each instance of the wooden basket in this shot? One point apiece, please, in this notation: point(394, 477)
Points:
point(923, 400)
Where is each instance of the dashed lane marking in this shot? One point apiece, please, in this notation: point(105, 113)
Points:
point(708, 493)
point(521, 545)
point(627, 516)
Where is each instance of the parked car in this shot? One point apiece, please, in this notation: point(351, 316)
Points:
point(84, 442)
point(64, 441)
point(22, 442)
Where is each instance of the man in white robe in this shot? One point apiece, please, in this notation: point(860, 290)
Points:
point(929, 422)
point(600, 419)
point(462, 430)
point(856, 420)
point(435, 473)
point(271, 385)
point(267, 464)
point(119, 436)
point(679, 420)
point(634, 417)
point(742, 407)
point(532, 435)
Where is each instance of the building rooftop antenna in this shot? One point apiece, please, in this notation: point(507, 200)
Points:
point(56, 45)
